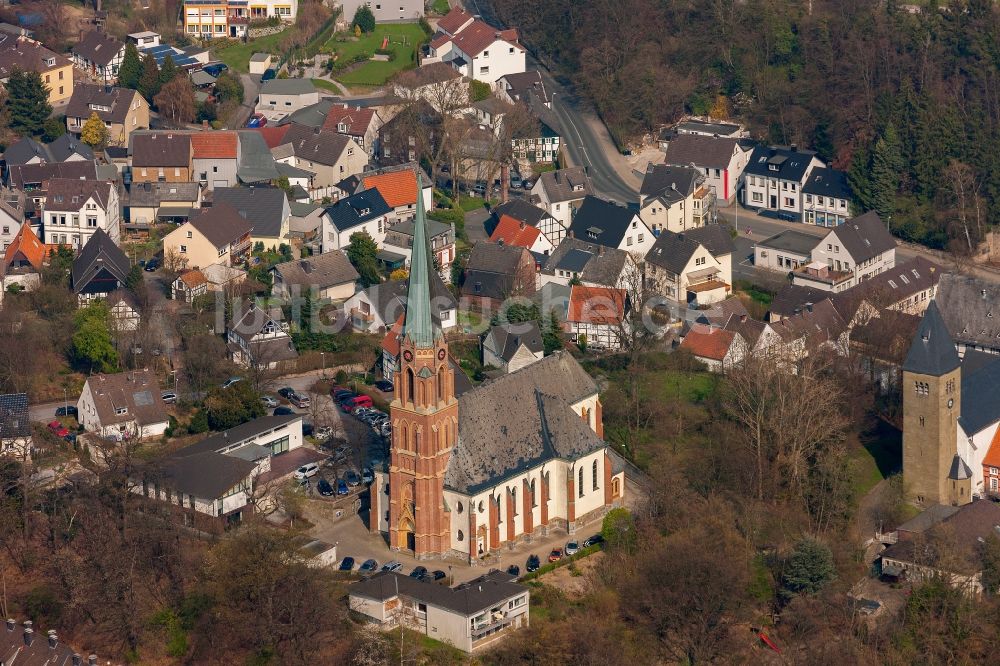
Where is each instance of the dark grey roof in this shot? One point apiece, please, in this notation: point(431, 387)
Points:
point(160, 149)
point(520, 210)
point(702, 151)
point(791, 240)
point(928, 518)
point(491, 270)
point(265, 208)
point(100, 258)
point(574, 260)
point(153, 194)
point(313, 115)
point(963, 531)
point(722, 129)
point(522, 85)
point(287, 87)
point(229, 439)
point(865, 237)
point(14, 421)
point(493, 447)
point(788, 164)
point(357, 209)
point(98, 47)
point(34, 174)
point(470, 599)
point(205, 475)
point(959, 470)
point(715, 237)
point(971, 309)
point(221, 224)
point(596, 264)
point(433, 228)
point(86, 97)
point(566, 184)
point(980, 388)
point(793, 297)
point(15, 652)
point(602, 221)
point(389, 298)
point(24, 150)
point(670, 183)
point(322, 270)
point(508, 338)
point(672, 251)
point(932, 351)
point(256, 161)
point(828, 182)
point(316, 145)
point(68, 145)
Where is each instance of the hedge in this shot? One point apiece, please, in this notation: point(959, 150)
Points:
point(552, 566)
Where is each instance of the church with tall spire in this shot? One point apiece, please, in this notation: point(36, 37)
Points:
point(504, 462)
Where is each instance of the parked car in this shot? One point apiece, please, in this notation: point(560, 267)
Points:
point(352, 478)
point(268, 401)
point(299, 400)
point(151, 266)
point(256, 120)
point(515, 179)
point(362, 413)
point(268, 74)
point(323, 432)
point(437, 574)
point(307, 428)
point(368, 566)
point(590, 541)
point(232, 380)
point(346, 564)
point(169, 397)
point(342, 487)
point(352, 404)
point(555, 555)
point(392, 566)
point(418, 572)
point(286, 392)
point(68, 410)
point(514, 570)
point(340, 396)
point(58, 429)
point(533, 563)
point(367, 475)
point(324, 488)
point(572, 548)
point(307, 470)
point(283, 411)
point(216, 68)
point(384, 385)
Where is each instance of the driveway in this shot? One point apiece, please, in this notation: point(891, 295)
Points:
point(251, 87)
point(475, 225)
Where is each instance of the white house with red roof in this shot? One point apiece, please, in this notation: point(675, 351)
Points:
point(361, 124)
point(518, 232)
point(475, 48)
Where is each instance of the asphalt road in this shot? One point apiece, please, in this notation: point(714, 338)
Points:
point(251, 86)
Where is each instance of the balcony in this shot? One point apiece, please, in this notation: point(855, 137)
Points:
point(820, 275)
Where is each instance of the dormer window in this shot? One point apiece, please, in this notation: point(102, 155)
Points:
point(772, 167)
point(342, 127)
point(50, 62)
point(121, 410)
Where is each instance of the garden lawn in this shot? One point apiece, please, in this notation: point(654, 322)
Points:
point(237, 56)
point(326, 85)
point(441, 7)
point(375, 73)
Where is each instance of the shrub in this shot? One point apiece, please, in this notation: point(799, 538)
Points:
point(809, 568)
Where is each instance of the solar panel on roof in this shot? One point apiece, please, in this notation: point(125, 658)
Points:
point(142, 398)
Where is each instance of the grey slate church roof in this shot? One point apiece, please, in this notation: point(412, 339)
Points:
point(971, 309)
point(494, 444)
point(932, 351)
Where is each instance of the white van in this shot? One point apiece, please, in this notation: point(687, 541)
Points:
point(306, 471)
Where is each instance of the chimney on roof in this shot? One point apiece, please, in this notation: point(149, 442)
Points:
point(982, 292)
point(500, 242)
point(743, 317)
point(569, 234)
point(809, 307)
point(520, 224)
point(11, 624)
point(29, 633)
point(77, 659)
point(600, 250)
point(53, 639)
point(92, 660)
point(794, 147)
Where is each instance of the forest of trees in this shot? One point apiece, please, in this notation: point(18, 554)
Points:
point(909, 103)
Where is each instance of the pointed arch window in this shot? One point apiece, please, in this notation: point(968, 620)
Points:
point(409, 384)
point(580, 481)
point(595, 474)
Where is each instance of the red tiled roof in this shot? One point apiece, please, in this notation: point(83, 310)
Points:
point(596, 305)
point(514, 232)
point(440, 41)
point(27, 244)
point(356, 119)
point(214, 145)
point(454, 20)
point(992, 458)
point(273, 136)
point(708, 342)
point(398, 188)
point(194, 279)
point(390, 343)
point(479, 36)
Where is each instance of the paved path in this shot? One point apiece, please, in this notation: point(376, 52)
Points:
point(251, 87)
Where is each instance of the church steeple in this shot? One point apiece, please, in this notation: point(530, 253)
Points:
point(419, 325)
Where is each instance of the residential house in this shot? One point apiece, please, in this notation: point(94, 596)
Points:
point(562, 192)
point(598, 317)
point(816, 325)
point(150, 202)
point(611, 225)
point(785, 251)
point(12, 215)
point(189, 285)
point(161, 157)
point(398, 187)
point(331, 156)
point(437, 84)
point(509, 231)
point(991, 468)
point(397, 247)
point(365, 212)
point(475, 48)
point(850, 253)
point(331, 273)
point(64, 149)
point(675, 198)
point(208, 19)
point(23, 259)
point(906, 287)
point(719, 349)
point(280, 97)
point(693, 267)
point(709, 127)
point(590, 264)
point(125, 405)
point(265, 208)
point(494, 273)
point(33, 179)
point(124, 309)
point(360, 123)
point(123, 111)
point(374, 309)
point(258, 340)
point(217, 235)
point(826, 198)
point(397, 138)
point(510, 347)
point(386, 12)
point(754, 338)
point(256, 164)
point(145, 39)
point(99, 55)
point(300, 181)
point(950, 549)
point(774, 178)
point(534, 141)
point(99, 269)
point(211, 484)
point(74, 210)
point(306, 221)
point(15, 426)
point(970, 311)
point(216, 278)
point(721, 160)
point(522, 211)
point(524, 87)
point(20, 52)
point(469, 617)
point(791, 299)
point(215, 158)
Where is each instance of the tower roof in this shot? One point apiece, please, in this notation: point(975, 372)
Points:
point(932, 351)
point(420, 326)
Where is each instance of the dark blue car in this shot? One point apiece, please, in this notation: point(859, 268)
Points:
point(342, 487)
point(347, 564)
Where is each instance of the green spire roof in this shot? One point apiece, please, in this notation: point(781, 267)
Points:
point(419, 325)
